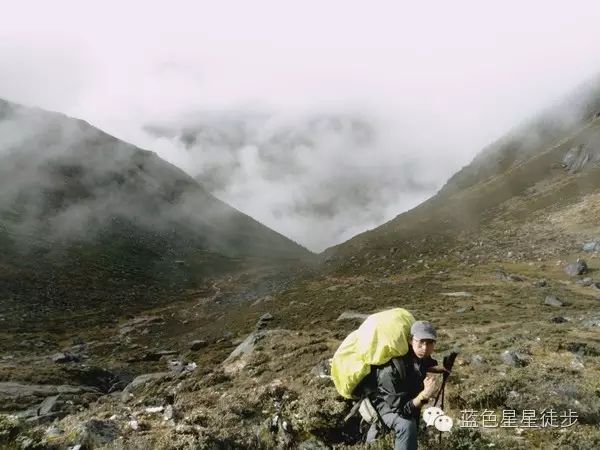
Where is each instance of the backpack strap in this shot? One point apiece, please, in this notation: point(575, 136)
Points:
point(400, 367)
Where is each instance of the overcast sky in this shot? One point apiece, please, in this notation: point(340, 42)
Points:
point(320, 119)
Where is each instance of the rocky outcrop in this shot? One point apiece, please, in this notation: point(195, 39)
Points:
point(579, 157)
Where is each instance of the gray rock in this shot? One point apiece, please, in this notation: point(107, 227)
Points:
point(577, 363)
point(465, 309)
point(322, 369)
point(64, 357)
point(266, 317)
point(16, 390)
point(591, 323)
point(175, 366)
point(514, 359)
point(586, 282)
point(246, 347)
point(541, 283)
point(263, 321)
point(580, 157)
point(591, 246)
point(558, 319)
point(97, 433)
point(140, 381)
point(477, 360)
point(53, 431)
point(457, 294)
point(313, 444)
point(197, 344)
point(352, 315)
point(502, 275)
point(169, 413)
point(48, 405)
point(577, 268)
point(552, 300)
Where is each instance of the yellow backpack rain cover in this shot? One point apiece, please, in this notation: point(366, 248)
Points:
point(381, 337)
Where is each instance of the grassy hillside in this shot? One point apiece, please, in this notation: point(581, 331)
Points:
point(88, 221)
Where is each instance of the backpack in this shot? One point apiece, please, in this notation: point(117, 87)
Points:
point(381, 337)
point(364, 390)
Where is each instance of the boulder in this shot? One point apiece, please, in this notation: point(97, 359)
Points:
point(590, 247)
point(577, 268)
point(586, 282)
point(140, 381)
point(97, 433)
point(579, 157)
point(514, 359)
point(552, 300)
point(197, 344)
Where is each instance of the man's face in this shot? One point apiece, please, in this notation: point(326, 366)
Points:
point(423, 347)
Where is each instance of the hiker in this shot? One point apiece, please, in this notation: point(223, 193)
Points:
point(403, 387)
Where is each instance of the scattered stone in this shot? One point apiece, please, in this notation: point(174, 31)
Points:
point(97, 433)
point(169, 413)
point(352, 315)
point(140, 381)
point(48, 405)
point(477, 360)
point(552, 300)
point(134, 425)
point(457, 294)
point(322, 369)
point(514, 359)
point(591, 323)
point(465, 309)
point(154, 409)
point(246, 346)
point(263, 321)
point(197, 344)
point(558, 319)
point(586, 282)
point(540, 283)
point(17, 390)
point(53, 431)
point(502, 275)
point(577, 363)
point(313, 444)
point(579, 157)
point(155, 355)
point(266, 317)
point(591, 247)
point(64, 357)
point(577, 268)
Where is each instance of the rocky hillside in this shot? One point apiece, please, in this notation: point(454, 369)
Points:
point(496, 263)
point(549, 162)
point(89, 221)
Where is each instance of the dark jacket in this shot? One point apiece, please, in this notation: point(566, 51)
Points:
point(395, 390)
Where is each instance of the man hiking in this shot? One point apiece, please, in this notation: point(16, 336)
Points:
point(403, 387)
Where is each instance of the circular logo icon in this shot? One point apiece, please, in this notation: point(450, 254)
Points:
point(432, 413)
point(443, 423)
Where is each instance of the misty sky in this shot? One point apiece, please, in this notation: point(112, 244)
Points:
point(319, 119)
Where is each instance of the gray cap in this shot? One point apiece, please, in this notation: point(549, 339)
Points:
point(423, 330)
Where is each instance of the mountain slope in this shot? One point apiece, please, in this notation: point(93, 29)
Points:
point(85, 217)
point(551, 161)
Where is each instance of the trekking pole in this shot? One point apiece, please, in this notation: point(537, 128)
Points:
point(448, 363)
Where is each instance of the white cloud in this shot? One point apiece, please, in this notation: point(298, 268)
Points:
point(438, 79)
